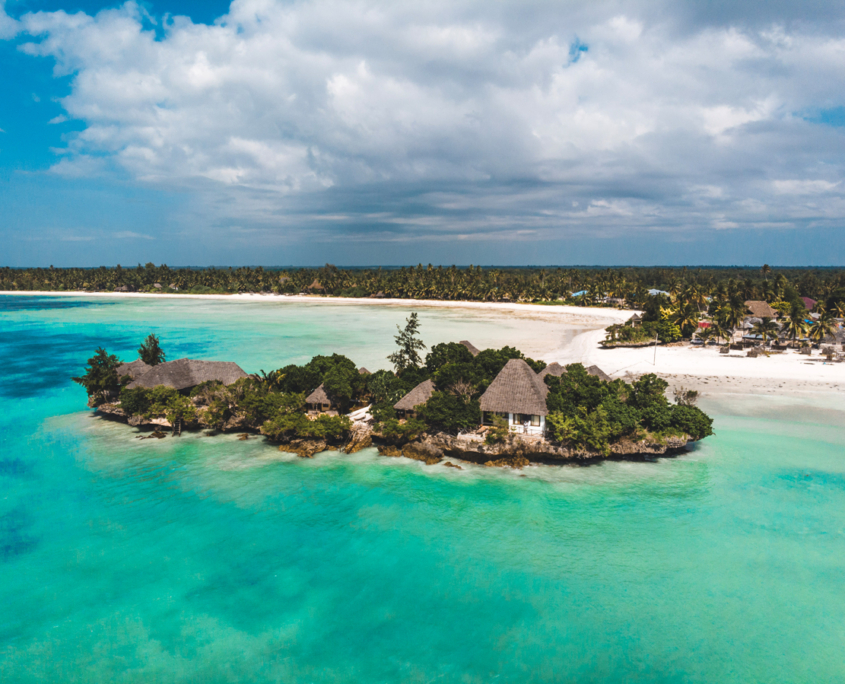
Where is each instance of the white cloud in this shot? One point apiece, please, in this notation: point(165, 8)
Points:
point(803, 187)
point(659, 122)
point(8, 26)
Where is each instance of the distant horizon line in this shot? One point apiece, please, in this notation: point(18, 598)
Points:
point(460, 266)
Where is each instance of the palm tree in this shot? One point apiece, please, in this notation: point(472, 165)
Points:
point(822, 327)
point(796, 326)
point(686, 316)
point(766, 328)
point(717, 330)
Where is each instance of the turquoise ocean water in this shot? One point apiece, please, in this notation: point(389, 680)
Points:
point(214, 560)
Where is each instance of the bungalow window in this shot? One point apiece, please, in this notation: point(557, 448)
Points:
point(535, 421)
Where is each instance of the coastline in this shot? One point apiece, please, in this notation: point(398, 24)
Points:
point(698, 368)
point(705, 370)
point(616, 315)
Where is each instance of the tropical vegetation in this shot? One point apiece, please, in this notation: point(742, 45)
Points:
point(585, 412)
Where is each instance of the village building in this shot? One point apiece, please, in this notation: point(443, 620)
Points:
point(518, 395)
point(185, 374)
point(319, 401)
point(407, 405)
point(134, 369)
point(475, 351)
point(363, 371)
point(599, 373)
point(760, 309)
point(552, 369)
point(315, 288)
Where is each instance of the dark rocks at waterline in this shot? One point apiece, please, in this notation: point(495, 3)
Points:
point(515, 451)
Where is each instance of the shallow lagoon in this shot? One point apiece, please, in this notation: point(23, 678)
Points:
point(215, 560)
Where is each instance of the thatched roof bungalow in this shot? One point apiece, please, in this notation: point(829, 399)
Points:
point(185, 374)
point(760, 309)
point(599, 373)
point(416, 397)
point(320, 401)
point(134, 369)
point(552, 369)
point(315, 287)
point(363, 371)
point(475, 351)
point(517, 394)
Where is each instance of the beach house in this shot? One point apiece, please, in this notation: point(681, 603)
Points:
point(758, 309)
point(319, 401)
point(475, 351)
point(407, 405)
point(518, 395)
point(182, 375)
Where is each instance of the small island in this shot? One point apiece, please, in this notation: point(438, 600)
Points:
point(494, 407)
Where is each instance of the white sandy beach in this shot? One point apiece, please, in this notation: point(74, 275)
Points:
point(577, 316)
point(704, 369)
point(701, 368)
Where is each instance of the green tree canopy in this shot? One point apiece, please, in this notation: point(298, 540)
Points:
point(410, 345)
point(100, 375)
point(150, 352)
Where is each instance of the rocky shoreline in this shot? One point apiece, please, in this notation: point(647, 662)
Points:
point(516, 451)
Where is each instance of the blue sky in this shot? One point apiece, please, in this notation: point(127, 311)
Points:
point(536, 132)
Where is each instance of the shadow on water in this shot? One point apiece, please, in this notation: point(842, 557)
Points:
point(35, 361)
point(47, 304)
point(14, 467)
point(15, 539)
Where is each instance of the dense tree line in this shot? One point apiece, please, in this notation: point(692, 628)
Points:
point(447, 283)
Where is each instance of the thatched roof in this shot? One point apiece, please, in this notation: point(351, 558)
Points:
point(760, 309)
point(318, 396)
point(316, 285)
point(134, 369)
point(187, 373)
point(363, 371)
point(516, 389)
point(599, 373)
point(475, 351)
point(552, 369)
point(416, 397)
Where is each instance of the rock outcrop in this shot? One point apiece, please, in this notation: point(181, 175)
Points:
point(305, 448)
point(515, 451)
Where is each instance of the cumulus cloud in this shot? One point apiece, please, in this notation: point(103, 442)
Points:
point(8, 26)
point(396, 120)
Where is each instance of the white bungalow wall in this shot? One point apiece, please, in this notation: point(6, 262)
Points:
point(517, 426)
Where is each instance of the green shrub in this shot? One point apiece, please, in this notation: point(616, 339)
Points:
point(400, 433)
point(692, 421)
point(451, 413)
point(498, 432)
point(135, 402)
point(584, 430)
